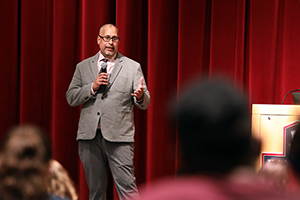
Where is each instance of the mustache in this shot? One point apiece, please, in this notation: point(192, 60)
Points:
point(111, 47)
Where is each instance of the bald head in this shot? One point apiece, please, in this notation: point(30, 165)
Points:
point(107, 26)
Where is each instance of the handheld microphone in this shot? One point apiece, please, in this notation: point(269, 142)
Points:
point(103, 67)
point(103, 70)
point(289, 93)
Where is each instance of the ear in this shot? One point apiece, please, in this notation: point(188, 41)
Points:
point(98, 39)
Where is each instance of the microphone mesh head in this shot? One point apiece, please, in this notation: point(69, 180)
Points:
point(103, 67)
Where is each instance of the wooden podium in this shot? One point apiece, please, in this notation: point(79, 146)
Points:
point(275, 126)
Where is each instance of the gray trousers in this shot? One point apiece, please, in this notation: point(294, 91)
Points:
point(98, 154)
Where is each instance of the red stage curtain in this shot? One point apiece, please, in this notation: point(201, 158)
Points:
point(254, 43)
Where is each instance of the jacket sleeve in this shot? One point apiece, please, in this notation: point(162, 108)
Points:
point(78, 92)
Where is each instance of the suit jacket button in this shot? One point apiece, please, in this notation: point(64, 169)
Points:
point(98, 113)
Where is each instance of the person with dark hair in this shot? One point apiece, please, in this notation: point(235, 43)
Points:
point(274, 174)
point(214, 126)
point(108, 86)
point(24, 162)
point(217, 149)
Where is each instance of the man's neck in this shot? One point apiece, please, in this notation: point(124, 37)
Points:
point(112, 57)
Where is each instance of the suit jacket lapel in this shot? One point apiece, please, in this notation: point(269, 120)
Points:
point(94, 66)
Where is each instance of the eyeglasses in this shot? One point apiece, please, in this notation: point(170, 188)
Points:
point(107, 38)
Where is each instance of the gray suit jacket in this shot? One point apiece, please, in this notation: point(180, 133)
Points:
point(114, 106)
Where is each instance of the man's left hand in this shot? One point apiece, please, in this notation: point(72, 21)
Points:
point(139, 92)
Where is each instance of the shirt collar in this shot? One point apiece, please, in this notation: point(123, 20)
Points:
point(109, 60)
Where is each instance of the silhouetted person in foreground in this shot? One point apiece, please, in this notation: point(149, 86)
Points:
point(216, 147)
point(24, 164)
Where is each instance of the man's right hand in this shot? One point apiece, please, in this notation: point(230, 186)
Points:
point(101, 79)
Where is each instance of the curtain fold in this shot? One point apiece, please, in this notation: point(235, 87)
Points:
point(35, 62)
point(193, 40)
point(63, 117)
point(10, 61)
point(263, 49)
point(253, 43)
point(162, 77)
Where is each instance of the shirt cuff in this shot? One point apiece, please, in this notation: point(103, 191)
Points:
point(141, 100)
point(92, 91)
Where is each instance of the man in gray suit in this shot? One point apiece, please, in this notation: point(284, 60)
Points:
point(107, 86)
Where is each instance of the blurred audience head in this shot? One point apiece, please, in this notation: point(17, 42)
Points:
point(24, 161)
point(214, 128)
point(274, 174)
point(59, 182)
